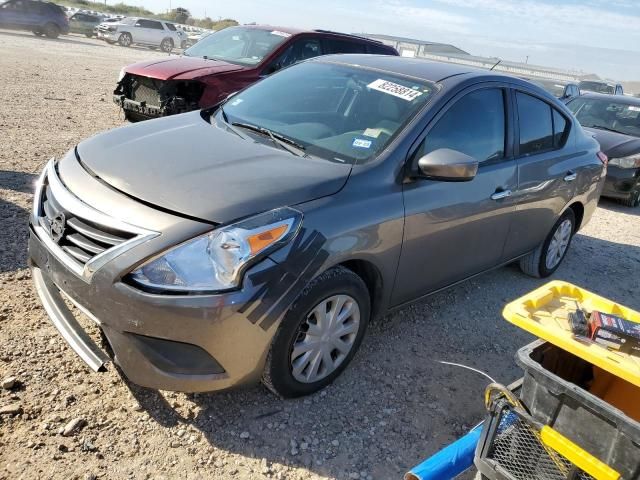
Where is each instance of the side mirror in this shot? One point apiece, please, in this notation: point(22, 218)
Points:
point(448, 165)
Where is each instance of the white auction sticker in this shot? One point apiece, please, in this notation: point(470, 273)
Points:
point(634, 109)
point(281, 34)
point(400, 91)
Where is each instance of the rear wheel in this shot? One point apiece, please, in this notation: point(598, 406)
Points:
point(88, 35)
point(546, 259)
point(51, 30)
point(632, 200)
point(125, 39)
point(166, 45)
point(319, 335)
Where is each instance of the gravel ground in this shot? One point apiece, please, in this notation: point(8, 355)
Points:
point(394, 405)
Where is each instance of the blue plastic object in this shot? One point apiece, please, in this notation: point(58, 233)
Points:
point(449, 462)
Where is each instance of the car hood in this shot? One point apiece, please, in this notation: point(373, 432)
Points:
point(615, 145)
point(186, 68)
point(186, 165)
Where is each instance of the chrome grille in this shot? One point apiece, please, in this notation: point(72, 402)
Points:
point(81, 237)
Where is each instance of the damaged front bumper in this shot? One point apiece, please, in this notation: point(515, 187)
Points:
point(144, 97)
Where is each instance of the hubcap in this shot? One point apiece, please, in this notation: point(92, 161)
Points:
point(325, 338)
point(559, 243)
point(125, 40)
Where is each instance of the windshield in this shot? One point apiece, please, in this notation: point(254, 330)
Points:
point(342, 113)
point(241, 45)
point(609, 114)
point(597, 87)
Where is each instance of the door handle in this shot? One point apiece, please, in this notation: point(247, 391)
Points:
point(570, 176)
point(501, 194)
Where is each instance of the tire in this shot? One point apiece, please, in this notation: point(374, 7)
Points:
point(633, 200)
point(88, 35)
point(166, 45)
point(535, 263)
point(328, 290)
point(51, 30)
point(125, 39)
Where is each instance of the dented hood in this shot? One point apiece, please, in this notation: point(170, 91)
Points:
point(182, 68)
point(186, 165)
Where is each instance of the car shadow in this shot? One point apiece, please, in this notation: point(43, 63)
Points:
point(396, 404)
point(614, 206)
point(61, 39)
point(13, 240)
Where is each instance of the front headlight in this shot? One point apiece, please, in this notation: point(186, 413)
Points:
point(216, 261)
point(632, 161)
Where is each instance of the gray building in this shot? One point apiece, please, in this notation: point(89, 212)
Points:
point(443, 52)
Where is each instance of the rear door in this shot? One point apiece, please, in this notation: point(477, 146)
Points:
point(145, 32)
point(456, 229)
point(17, 13)
point(547, 173)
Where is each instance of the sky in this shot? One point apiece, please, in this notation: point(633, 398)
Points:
point(593, 36)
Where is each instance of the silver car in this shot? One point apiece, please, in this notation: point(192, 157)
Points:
point(258, 238)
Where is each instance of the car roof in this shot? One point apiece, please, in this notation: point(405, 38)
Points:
point(298, 31)
point(621, 98)
point(415, 67)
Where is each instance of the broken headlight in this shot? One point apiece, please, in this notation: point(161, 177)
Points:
point(632, 161)
point(216, 261)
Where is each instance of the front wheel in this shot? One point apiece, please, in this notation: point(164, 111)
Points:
point(546, 259)
point(125, 39)
point(632, 200)
point(319, 335)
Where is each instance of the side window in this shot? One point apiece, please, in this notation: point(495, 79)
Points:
point(345, 46)
point(474, 125)
point(154, 25)
point(536, 125)
point(296, 52)
point(560, 129)
point(171, 26)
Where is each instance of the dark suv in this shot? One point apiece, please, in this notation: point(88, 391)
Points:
point(223, 63)
point(42, 18)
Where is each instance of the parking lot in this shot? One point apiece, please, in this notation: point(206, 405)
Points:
point(391, 408)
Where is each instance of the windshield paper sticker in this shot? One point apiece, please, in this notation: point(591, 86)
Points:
point(634, 109)
point(361, 143)
point(237, 101)
point(281, 34)
point(372, 132)
point(400, 91)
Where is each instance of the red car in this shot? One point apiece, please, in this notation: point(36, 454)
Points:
point(223, 63)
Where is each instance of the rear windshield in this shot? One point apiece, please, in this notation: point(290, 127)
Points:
point(343, 113)
point(597, 87)
point(240, 45)
point(619, 116)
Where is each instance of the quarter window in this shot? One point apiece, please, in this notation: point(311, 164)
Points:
point(474, 125)
point(536, 125)
point(171, 26)
point(345, 46)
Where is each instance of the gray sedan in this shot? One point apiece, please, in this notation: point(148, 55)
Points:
point(257, 239)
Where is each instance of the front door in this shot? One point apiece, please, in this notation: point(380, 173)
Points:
point(456, 229)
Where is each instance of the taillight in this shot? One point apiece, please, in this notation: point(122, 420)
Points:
point(603, 158)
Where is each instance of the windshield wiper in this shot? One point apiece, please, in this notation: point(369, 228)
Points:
point(602, 127)
point(285, 142)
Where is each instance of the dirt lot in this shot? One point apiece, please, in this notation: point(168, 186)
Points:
point(392, 407)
